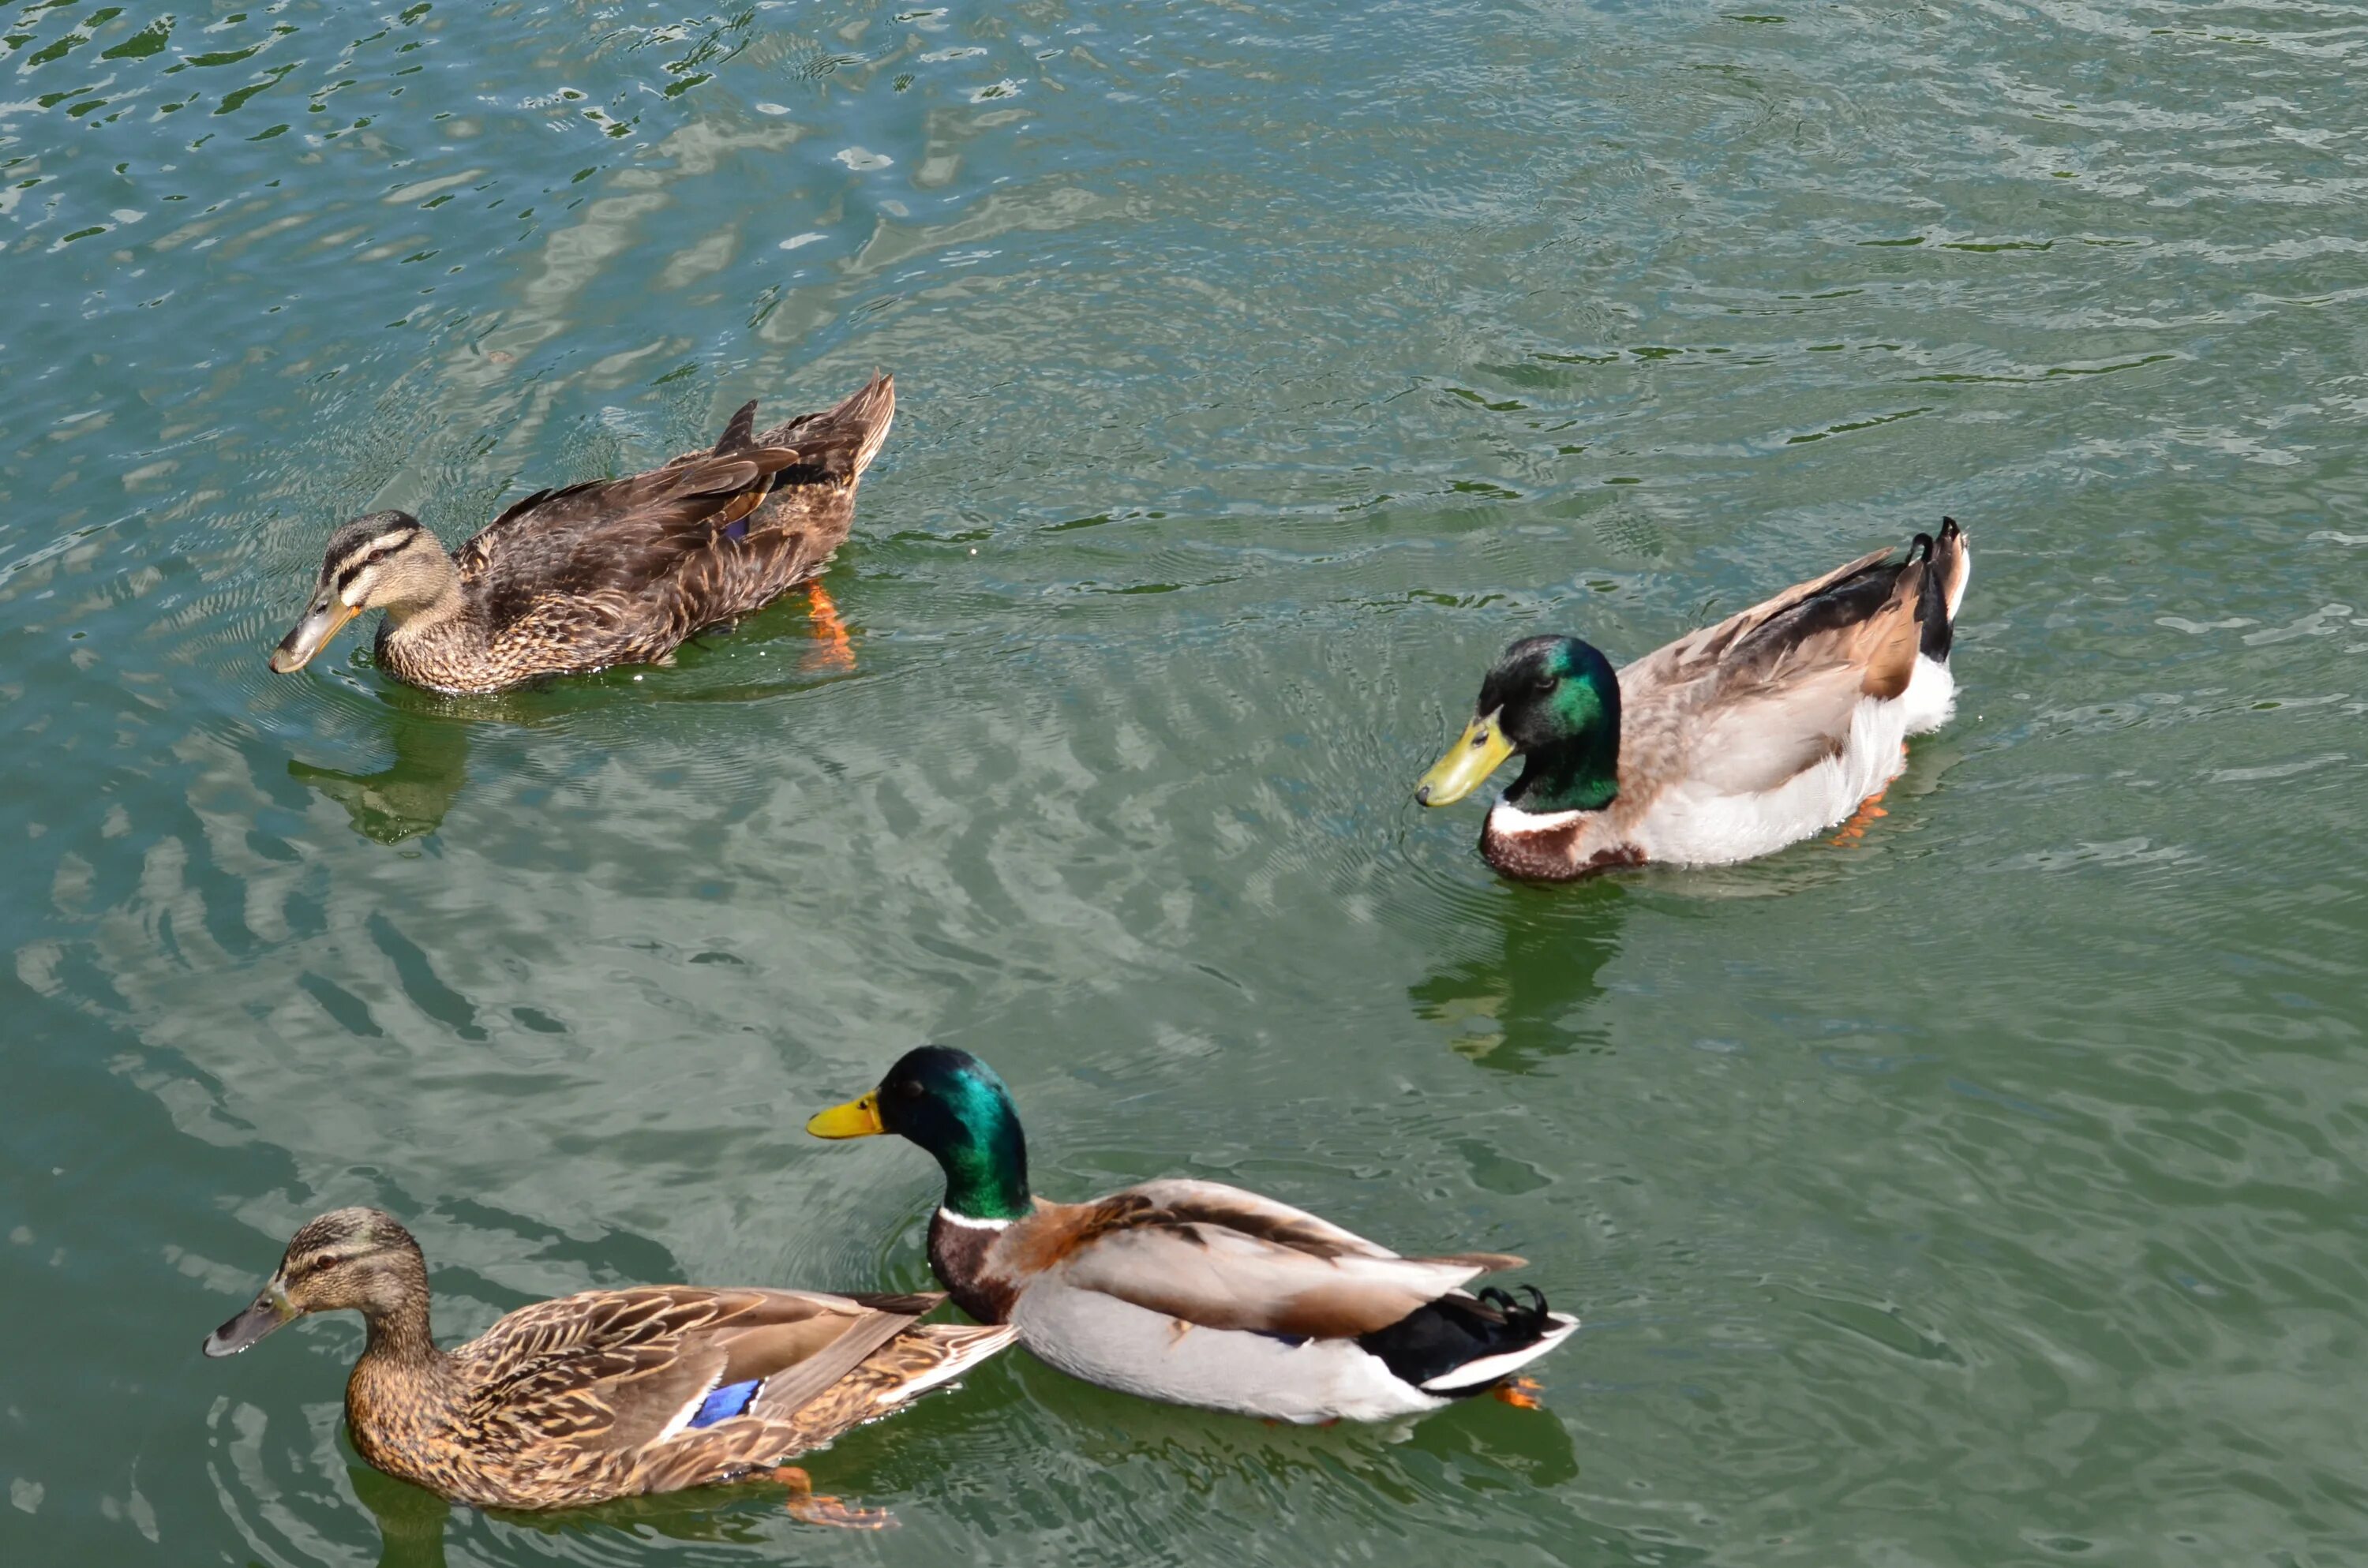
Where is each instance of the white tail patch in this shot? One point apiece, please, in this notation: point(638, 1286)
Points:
point(1931, 695)
point(1488, 1368)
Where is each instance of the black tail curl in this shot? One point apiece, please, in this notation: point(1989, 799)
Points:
point(1457, 1330)
point(1937, 631)
point(1530, 1318)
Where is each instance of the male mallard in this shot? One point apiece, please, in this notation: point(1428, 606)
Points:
point(1191, 1291)
point(615, 572)
point(608, 1394)
point(1731, 742)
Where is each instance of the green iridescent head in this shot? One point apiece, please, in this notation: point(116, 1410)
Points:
point(951, 1104)
point(1554, 702)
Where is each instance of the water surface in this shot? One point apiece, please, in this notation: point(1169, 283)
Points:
point(1985, 1191)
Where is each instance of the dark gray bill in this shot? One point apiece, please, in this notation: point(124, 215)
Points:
point(268, 1310)
point(313, 633)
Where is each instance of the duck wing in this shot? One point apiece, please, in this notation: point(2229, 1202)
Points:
point(1219, 1257)
point(808, 507)
point(614, 539)
point(623, 1369)
point(1744, 705)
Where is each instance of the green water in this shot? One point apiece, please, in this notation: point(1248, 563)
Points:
point(1986, 1191)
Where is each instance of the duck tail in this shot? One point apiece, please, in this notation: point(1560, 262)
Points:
point(1949, 566)
point(741, 432)
point(1944, 565)
point(1462, 1344)
point(838, 444)
point(937, 1353)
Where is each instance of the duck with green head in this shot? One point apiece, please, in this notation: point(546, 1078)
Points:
point(1727, 743)
point(1191, 1291)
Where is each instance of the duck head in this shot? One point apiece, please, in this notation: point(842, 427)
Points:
point(360, 1258)
point(385, 561)
point(951, 1104)
point(1554, 702)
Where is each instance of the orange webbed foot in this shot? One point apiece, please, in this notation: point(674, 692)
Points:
point(808, 1507)
point(1868, 810)
point(834, 650)
point(1522, 1393)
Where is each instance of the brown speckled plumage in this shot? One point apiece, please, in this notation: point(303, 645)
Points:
point(586, 1398)
point(615, 572)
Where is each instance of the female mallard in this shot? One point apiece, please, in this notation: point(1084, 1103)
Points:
point(1731, 742)
point(1190, 1291)
point(617, 572)
point(609, 1394)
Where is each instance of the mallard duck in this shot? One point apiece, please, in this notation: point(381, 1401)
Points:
point(1191, 1291)
point(607, 1394)
point(615, 572)
point(1729, 743)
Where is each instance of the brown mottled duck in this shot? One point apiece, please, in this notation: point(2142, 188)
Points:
point(1729, 743)
point(608, 1394)
point(615, 572)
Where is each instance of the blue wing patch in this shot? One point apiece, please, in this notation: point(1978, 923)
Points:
point(732, 1399)
point(738, 528)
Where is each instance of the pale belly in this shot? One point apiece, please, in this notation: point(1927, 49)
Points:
point(1119, 1346)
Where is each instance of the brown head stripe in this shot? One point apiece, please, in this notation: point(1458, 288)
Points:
point(378, 550)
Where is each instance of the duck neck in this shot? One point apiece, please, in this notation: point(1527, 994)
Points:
point(1578, 774)
point(961, 1257)
point(433, 604)
point(987, 1168)
point(398, 1328)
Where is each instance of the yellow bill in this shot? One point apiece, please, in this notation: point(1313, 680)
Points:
point(1481, 750)
point(856, 1118)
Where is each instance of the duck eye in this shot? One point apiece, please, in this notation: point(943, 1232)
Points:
point(910, 1088)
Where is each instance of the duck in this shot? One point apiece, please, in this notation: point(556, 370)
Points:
point(1728, 744)
point(615, 572)
point(1194, 1292)
point(604, 1394)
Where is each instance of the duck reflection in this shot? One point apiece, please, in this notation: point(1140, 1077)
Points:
point(411, 1519)
point(409, 797)
point(1528, 1000)
point(430, 733)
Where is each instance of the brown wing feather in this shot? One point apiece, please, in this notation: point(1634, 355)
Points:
point(659, 567)
point(610, 1369)
point(1221, 1257)
point(741, 430)
point(804, 1377)
point(617, 537)
point(1751, 701)
point(1710, 648)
